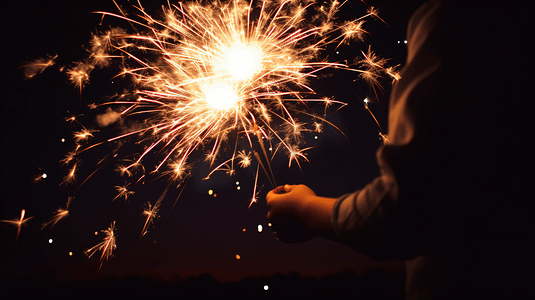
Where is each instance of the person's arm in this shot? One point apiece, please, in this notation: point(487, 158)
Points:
point(396, 215)
point(381, 220)
point(454, 165)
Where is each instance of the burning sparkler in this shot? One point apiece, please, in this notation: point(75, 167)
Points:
point(221, 69)
point(208, 73)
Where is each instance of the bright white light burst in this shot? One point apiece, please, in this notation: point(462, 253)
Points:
point(242, 61)
point(219, 95)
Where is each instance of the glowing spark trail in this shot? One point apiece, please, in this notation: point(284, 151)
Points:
point(60, 214)
point(151, 213)
point(37, 66)
point(123, 191)
point(106, 246)
point(245, 159)
point(255, 194)
point(18, 223)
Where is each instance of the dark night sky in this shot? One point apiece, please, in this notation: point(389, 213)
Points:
point(202, 234)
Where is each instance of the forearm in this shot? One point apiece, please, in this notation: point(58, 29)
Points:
point(317, 216)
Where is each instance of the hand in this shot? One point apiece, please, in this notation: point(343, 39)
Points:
point(285, 209)
point(297, 214)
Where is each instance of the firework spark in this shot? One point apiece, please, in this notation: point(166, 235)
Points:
point(383, 137)
point(18, 222)
point(60, 214)
point(150, 212)
point(245, 159)
point(255, 193)
point(123, 191)
point(39, 177)
point(71, 177)
point(106, 246)
point(374, 66)
point(38, 66)
point(83, 135)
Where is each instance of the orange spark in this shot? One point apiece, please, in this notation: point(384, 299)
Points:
point(106, 246)
point(18, 223)
point(123, 191)
point(60, 214)
point(151, 213)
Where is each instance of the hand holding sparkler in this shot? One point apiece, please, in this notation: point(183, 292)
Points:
point(207, 75)
point(297, 214)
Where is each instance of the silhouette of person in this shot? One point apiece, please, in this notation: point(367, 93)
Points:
point(454, 198)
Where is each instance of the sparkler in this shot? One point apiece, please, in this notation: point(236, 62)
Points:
point(206, 74)
point(220, 70)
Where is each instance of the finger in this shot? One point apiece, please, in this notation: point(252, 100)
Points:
point(270, 197)
point(279, 190)
point(273, 196)
point(288, 188)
